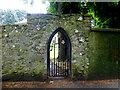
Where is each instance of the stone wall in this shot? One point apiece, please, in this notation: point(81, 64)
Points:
point(0, 57)
point(104, 53)
point(95, 52)
point(25, 46)
point(20, 54)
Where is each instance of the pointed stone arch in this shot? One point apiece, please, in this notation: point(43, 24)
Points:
point(56, 63)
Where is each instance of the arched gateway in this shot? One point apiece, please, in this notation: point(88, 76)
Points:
point(59, 54)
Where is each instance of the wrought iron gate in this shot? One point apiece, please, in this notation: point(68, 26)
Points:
point(59, 54)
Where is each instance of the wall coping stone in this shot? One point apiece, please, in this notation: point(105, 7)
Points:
point(105, 29)
point(14, 25)
point(86, 15)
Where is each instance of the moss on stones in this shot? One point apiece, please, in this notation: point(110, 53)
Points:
point(25, 46)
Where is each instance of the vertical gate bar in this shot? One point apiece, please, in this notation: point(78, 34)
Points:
point(56, 65)
point(57, 61)
point(58, 58)
point(68, 65)
point(54, 60)
point(58, 54)
point(62, 68)
point(58, 68)
point(65, 68)
point(49, 69)
point(52, 68)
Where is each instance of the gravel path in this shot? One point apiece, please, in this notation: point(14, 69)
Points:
point(65, 83)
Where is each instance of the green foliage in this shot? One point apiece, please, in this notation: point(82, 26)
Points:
point(8, 17)
point(38, 68)
point(52, 8)
point(66, 7)
point(81, 67)
point(21, 72)
point(106, 14)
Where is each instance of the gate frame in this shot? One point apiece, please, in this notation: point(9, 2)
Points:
point(69, 50)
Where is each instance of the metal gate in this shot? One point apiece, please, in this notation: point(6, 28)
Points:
point(59, 54)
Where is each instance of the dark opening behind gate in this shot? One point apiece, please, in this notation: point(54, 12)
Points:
point(59, 54)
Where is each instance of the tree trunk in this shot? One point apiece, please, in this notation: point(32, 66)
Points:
point(59, 8)
point(62, 47)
